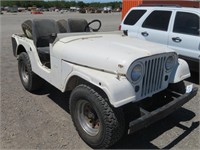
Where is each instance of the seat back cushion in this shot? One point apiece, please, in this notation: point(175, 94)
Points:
point(42, 31)
point(62, 25)
point(76, 25)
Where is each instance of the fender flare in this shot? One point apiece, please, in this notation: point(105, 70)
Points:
point(119, 91)
point(180, 72)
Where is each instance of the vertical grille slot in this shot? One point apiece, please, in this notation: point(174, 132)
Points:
point(153, 76)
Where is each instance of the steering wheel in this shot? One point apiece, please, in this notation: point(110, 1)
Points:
point(90, 28)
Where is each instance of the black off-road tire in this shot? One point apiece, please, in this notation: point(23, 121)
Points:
point(27, 28)
point(112, 123)
point(29, 79)
point(178, 87)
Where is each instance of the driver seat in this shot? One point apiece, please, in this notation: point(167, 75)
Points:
point(43, 30)
point(77, 25)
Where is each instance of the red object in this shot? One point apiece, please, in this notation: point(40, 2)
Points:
point(127, 4)
point(119, 27)
point(36, 12)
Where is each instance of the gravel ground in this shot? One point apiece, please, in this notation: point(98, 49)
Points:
point(42, 120)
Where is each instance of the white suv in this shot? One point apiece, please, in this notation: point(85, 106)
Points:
point(176, 27)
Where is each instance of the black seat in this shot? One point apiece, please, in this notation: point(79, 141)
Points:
point(77, 25)
point(62, 25)
point(44, 54)
point(43, 30)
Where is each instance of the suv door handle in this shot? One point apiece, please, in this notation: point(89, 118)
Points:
point(145, 34)
point(176, 39)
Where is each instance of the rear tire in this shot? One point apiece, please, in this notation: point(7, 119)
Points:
point(97, 122)
point(29, 79)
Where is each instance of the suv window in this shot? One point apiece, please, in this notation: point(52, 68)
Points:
point(158, 20)
point(186, 23)
point(134, 16)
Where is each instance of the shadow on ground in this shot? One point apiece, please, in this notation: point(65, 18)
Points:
point(61, 99)
point(142, 138)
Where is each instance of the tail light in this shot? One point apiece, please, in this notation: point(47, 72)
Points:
point(120, 27)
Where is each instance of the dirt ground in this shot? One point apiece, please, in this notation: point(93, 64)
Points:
point(42, 121)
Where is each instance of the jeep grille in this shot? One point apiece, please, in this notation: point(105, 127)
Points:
point(153, 76)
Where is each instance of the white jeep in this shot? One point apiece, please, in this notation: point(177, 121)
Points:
point(174, 26)
point(106, 72)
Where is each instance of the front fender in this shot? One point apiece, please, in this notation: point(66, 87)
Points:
point(180, 72)
point(118, 90)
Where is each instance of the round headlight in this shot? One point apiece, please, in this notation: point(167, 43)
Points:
point(136, 73)
point(170, 63)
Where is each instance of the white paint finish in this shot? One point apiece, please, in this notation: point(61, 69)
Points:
point(180, 72)
point(56, 72)
point(105, 51)
point(189, 45)
point(119, 91)
point(66, 69)
point(157, 36)
point(36, 65)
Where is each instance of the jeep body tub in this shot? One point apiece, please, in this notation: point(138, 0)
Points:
point(105, 61)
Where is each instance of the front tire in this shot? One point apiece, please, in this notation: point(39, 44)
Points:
point(29, 79)
point(97, 122)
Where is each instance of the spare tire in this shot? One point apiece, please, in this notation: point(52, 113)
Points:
point(27, 28)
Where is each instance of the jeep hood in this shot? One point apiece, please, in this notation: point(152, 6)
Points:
point(109, 52)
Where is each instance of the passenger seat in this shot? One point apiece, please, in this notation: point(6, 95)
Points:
point(73, 25)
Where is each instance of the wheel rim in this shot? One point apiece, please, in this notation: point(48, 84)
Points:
point(24, 72)
point(88, 118)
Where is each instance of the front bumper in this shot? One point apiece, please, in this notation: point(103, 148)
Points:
point(149, 117)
